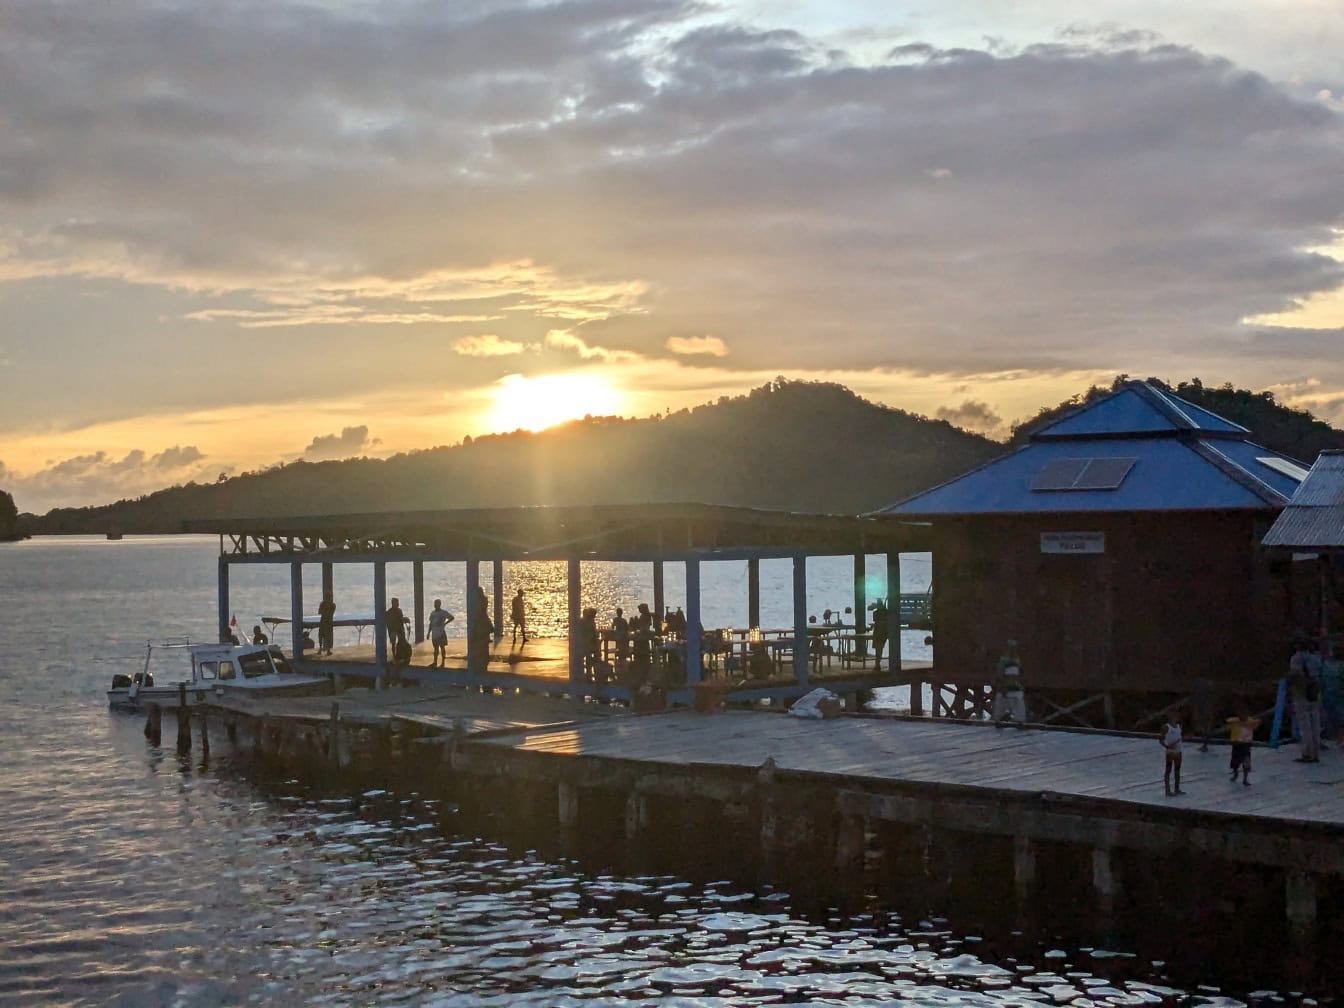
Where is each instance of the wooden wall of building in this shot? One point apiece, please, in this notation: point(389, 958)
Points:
point(1173, 597)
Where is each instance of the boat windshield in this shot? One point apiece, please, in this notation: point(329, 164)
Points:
point(258, 663)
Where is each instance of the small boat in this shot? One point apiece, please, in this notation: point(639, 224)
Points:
point(218, 669)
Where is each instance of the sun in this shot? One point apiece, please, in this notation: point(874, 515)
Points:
point(546, 400)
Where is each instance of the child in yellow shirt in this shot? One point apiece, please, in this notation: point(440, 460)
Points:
point(1241, 729)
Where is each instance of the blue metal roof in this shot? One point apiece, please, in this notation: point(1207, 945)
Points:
point(1184, 459)
point(1137, 408)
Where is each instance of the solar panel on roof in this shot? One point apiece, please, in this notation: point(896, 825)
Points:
point(1083, 474)
point(1059, 474)
point(1104, 473)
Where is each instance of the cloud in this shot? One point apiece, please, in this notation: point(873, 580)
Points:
point(349, 442)
point(710, 346)
point(973, 416)
point(487, 345)
point(565, 339)
point(100, 477)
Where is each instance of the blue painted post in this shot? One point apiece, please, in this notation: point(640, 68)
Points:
point(860, 603)
point(693, 641)
point(753, 593)
point(222, 583)
point(498, 572)
point(418, 594)
point(380, 616)
point(800, 642)
point(1280, 702)
point(473, 615)
point(575, 594)
point(296, 609)
point(659, 608)
point(894, 627)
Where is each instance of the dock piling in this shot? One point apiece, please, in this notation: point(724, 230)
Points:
point(154, 724)
point(183, 720)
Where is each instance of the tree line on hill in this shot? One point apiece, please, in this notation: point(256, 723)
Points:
point(788, 445)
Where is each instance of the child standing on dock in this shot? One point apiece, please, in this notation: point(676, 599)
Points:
point(1241, 729)
point(1171, 744)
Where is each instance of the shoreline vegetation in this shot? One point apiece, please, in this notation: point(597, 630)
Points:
point(788, 445)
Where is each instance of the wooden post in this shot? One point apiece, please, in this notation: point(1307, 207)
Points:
point(575, 598)
point(380, 619)
point(894, 625)
point(328, 581)
point(497, 573)
point(154, 724)
point(418, 593)
point(800, 637)
point(693, 630)
point(659, 598)
point(296, 609)
point(860, 603)
point(205, 737)
point(222, 583)
point(753, 592)
point(476, 662)
point(183, 720)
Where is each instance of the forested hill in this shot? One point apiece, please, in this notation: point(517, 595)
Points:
point(802, 446)
point(1294, 432)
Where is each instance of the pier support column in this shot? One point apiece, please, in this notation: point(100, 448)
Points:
point(567, 798)
point(328, 580)
point(659, 597)
point(636, 815)
point(183, 720)
point(1299, 897)
point(1105, 887)
point(154, 724)
point(418, 594)
point(894, 627)
point(380, 620)
point(575, 582)
point(801, 643)
point(1024, 871)
point(693, 641)
point(205, 738)
point(497, 574)
point(222, 582)
point(860, 603)
point(753, 593)
point(296, 609)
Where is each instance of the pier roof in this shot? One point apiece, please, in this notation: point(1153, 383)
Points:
point(595, 532)
point(1138, 449)
point(1314, 518)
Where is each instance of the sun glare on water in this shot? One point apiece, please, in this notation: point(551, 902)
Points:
point(547, 400)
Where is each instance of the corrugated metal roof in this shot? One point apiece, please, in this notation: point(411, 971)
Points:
point(1137, 408)
point(1184, 459)
point(1314, 518)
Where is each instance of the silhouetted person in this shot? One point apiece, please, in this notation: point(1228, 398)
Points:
point(258, 637)
point(880, 622)
point(326, 628)
point(396, 625)
point(439, 618)
point(518, 617)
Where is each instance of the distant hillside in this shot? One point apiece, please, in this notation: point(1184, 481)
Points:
point(802, 446)
point(1294, 432)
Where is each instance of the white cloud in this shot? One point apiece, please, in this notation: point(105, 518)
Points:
point(349, 442)
point(98, 477)
point(689, 346)
point(487, 345)
point(565, 339)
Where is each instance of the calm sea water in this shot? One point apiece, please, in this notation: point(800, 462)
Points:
point(134, 877)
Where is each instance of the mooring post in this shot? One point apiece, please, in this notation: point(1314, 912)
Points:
point(154, 724)
point(183, 720)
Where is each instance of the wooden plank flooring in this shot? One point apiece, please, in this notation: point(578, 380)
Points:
point(1028, 760)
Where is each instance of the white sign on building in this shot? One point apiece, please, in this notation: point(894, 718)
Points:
point(1073, 542)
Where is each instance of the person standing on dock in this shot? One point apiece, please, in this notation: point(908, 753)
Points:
point(1171, 746)
point(326, 624)
point(1304, 686)
point(1241, 729)
point(439, 618)
point(880, 622)
point(518, 617)
point(396, 625)
point(620, 636)
point(1010, 699)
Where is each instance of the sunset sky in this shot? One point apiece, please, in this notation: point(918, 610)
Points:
point(237, 234)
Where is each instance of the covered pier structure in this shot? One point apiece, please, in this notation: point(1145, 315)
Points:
point(655, 533)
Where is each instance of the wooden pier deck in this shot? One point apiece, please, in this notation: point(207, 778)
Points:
point(1027, 762)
